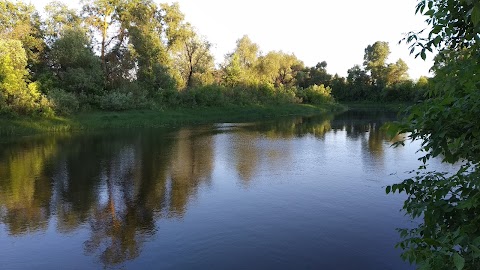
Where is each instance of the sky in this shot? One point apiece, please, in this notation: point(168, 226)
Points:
point(335, 31)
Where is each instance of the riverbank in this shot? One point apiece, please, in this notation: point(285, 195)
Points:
point(19, 126)
point(364, 105)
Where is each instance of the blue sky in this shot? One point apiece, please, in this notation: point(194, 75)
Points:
point(334, 31)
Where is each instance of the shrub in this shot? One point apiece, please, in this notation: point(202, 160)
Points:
point(400, 92)
point(315, 94)
point(167, 97)
point(16, 94)
point(63, 102)
point(211, 95)
point(115, 101)
point(128, 96)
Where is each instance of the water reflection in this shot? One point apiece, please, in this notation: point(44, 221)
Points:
point(118, 185)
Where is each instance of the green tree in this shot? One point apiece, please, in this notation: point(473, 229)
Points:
point(100, 15)
point(316, 75)
point(143, 21)
point(375, 61)
point(279, 68)
point(446, 205)
point(58, 19)
point(233, 73)
point(194, 60)
point(77, 69)
point(396, 73)
point(22, 22)
point(247, 52)
point(16, 94)
point(175, 29)
point(359, 84)
point(241, 66)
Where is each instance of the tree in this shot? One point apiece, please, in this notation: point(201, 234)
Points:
point(15, 93)
point(58, 19)
point(241, 65)
point(316, 75)
point(279, 68)
point(22, 22)
point(99, 15)
point(359, 84)
point(375, 61)
point(396, 73)
point(175, 30)
point(77, 69)
point(233, 73)
point(195, 59)
point(143, 21)
point(247, 52)
point(446, 205)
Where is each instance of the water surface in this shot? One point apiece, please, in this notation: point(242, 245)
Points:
point(297, 193)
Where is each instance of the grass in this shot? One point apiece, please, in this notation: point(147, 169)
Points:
point(156, 118)
point(368, 105)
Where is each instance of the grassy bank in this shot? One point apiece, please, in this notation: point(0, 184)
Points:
point(156, 118)
point(363, 105)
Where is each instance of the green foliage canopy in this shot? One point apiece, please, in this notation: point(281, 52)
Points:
point(447, 124)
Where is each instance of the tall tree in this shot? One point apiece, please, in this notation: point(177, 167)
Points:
point(233, 73)
point(22, 22)
point(143, 21)
point(16, 94)
point(316, 75)
point(247, 52)
point(77, 68)
point(359, 83)
point(279, 68)
point(375, 61)
point(99, 15)
point(194, 59)
point(396, 72)
point(175, 29)
point(59, 17)
point(241, 65)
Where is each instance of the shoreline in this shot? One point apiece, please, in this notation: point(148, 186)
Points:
point(107, 120)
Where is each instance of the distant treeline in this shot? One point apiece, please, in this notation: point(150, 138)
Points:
point(130, 54)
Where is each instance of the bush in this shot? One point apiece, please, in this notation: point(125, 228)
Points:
point(209, 96)
point(115, 101)
point(126, 97)
point(16, 94)
point(315, 94)
point(399, 92)
point(63, 102)
point(167, 97)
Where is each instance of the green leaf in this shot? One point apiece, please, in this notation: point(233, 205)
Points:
point(423, 55)
point(476, 14)
point(459, 261)
point(429, 13)
point(388, 189)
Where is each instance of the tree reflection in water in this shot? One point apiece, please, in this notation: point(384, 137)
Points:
point(119, 185)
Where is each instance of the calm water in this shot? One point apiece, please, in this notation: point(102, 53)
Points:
point(299, 193)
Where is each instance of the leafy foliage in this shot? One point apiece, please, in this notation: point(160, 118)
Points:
point(449, 206)
point(99, 57)
point(316, 94)
point(63, 102)
point(16, 94)
point(74, 64)
point(446, 123)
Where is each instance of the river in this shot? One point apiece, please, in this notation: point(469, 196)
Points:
point(295, 193)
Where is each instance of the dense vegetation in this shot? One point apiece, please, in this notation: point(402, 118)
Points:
point(134, 54)
point(447, 206)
